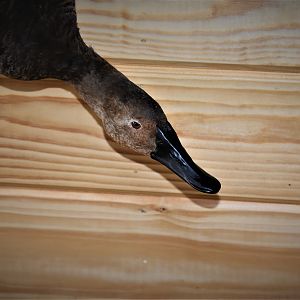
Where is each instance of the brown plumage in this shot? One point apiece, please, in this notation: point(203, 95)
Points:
point(118, 102)
point(40, 39)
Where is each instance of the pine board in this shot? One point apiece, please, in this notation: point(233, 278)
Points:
point(241, 126)
point(254, 32)
point(82, 218)
point(68, 244)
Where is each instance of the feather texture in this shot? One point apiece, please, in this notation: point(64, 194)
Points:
point(40, 39)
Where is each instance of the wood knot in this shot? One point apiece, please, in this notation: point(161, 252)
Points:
point(162, 209)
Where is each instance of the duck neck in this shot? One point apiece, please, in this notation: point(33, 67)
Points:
point(95, 82)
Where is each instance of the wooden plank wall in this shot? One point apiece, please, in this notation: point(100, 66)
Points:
point(253, 32)
point(81, 217)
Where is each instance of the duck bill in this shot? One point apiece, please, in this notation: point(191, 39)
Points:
point(171, 153)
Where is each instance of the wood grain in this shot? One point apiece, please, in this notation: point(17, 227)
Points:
point(84, 244)
point(82, 218)
point(241, 126)
point(253, 32)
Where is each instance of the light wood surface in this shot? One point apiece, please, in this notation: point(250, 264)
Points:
point(86, 244)
point(243, 127)
point(82, 218)
point(255, 32)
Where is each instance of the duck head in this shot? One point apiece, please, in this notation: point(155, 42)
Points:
point(133, 119)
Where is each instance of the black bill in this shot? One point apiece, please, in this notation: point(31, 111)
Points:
point(170, 153)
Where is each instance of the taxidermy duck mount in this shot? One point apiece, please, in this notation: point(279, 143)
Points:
point(41, 39)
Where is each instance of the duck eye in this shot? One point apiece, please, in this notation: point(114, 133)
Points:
point(135, 125)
